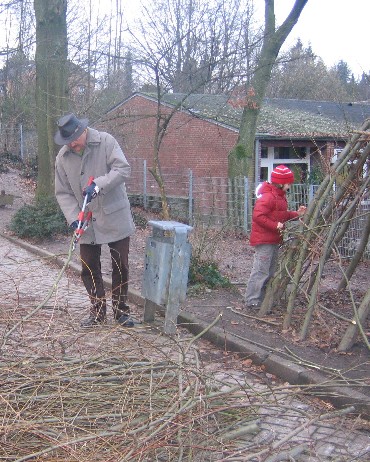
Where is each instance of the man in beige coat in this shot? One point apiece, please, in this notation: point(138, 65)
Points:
point(90, 153)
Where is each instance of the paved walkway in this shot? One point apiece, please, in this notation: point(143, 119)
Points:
point(40, 314)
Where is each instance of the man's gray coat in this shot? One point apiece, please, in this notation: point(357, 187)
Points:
point(104, 160)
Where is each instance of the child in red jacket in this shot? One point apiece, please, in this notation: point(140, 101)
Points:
point(269, 215)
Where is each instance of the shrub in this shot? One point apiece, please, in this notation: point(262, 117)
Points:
point(30, 169)
point(7, 159)
point(44, 219)
point(206, 273)
point(140, 221)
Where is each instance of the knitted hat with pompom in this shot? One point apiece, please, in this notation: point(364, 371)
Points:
point(282, 175)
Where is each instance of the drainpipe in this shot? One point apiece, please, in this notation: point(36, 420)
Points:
point(257, 145)
point(145, 192)
point(21, 141)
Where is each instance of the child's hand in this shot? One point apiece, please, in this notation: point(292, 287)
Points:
point(302, 210)
point(280, 226)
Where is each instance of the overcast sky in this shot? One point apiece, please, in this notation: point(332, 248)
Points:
point(336, 29)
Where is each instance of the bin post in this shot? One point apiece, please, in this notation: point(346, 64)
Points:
point(167, 261)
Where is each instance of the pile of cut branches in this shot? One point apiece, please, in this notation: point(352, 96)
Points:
point(112, 409)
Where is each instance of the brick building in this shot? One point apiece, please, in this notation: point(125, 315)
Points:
point(190, 142)
point(204, 128)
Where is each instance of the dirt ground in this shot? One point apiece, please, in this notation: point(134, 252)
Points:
point(234, 258)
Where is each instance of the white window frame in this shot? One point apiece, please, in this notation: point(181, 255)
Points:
point(337, 151)
point(270, 161)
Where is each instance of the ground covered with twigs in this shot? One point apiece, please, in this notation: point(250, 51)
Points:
point(114, 404)
point(136, 395)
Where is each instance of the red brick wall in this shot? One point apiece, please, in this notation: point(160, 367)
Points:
point(189, 143)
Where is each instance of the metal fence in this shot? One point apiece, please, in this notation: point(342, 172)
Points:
point(215, 200)
point(222, 202)
point(16, 141)
point(352, 238)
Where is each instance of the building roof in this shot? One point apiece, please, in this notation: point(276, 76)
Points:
point(314, 118)
point(282, 118)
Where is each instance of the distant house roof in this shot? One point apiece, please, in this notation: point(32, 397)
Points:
point(278, 117)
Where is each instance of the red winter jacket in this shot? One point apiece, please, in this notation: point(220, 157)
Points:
point(270, 208)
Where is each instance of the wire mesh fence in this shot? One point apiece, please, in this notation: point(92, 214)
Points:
point(351, 240)
point(212, 200)
point(18, 142)
point(224, 202)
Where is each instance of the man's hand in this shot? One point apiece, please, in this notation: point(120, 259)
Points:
point(91, 191)
point(74, 225)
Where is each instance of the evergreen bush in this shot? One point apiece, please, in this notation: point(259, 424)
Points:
point(41, 220)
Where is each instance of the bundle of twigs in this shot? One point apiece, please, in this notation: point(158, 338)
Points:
point(114, 409)
point(110, 409)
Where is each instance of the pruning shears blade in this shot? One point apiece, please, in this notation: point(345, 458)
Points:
point(83, 224)
point(83, 219)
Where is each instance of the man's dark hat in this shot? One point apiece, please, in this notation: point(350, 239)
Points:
point(69, 129)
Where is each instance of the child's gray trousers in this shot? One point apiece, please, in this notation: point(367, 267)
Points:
point(264, 267)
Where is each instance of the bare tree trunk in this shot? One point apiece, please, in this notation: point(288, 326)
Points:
point(349, 337)
point(241, 158)
point(156, 172)
point(51, 84)
point(89, 57)
point(161, 126)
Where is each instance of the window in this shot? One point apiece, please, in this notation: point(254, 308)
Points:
point(289, 152)
point(296, 158)
point(264, 175)
point(335, 156)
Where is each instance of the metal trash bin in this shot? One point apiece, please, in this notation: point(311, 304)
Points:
point(167, 261)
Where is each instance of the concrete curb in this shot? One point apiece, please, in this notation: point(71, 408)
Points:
point(318, 383)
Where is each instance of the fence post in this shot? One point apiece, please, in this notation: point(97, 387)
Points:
point(246, 193)
point(145, 197)
point(190, 205)
point(310, 193)
point(21, 141)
